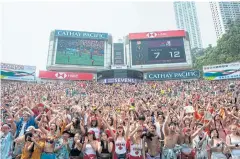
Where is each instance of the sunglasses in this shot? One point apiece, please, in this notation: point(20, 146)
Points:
point(50, 141)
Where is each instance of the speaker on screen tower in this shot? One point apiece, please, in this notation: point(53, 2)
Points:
point(109, 39)
point(126, 40)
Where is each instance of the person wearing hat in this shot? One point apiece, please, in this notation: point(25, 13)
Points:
point(22, 125)
point(62, 146)
point(36, 146)
point(90, 146)
point(7, 139)
point(94, 126)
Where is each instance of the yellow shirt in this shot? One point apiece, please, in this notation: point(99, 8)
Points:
point(162, 91)
point(25, 153)
point(37, 151)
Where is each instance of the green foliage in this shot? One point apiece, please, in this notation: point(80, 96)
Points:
point(226, 51)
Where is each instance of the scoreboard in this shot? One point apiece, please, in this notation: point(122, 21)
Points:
point(167, 49)
point(155, 51)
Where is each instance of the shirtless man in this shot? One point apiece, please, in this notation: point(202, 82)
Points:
point(171, 139)
point(153, 143)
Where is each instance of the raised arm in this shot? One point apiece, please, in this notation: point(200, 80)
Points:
point(36, 119)
point(128, 128)
point(165, 124)
point(82, 127)
point(29, 110)
point(199, 130)
point(13, 126)
point(16, 118)
point(41, 127)
point(108, 126)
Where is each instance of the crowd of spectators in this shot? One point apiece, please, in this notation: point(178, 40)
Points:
point(74, 120)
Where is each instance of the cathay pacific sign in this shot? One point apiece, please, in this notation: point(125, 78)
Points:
point(176, 75)
point(79, 34)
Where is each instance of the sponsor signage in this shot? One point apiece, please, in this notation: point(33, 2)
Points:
point(176, 75)
point(65, 75)
point(121, 80)
point(118, 50)
point(81, 34)
point(157, 34)
point(18, 72)
point(223, 71)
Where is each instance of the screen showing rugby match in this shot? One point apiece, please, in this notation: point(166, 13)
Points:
point(76, 51)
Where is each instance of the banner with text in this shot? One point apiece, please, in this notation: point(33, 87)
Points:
point(157, 34)
point(65, 75)
point(81, 34)
point(176, 75)
point(18, 72)
point(223, 71)
point(120, 80)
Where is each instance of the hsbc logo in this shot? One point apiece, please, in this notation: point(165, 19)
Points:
point(151, 35)
point(61, 75)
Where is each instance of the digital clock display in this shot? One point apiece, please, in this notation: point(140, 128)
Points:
point(158, 51)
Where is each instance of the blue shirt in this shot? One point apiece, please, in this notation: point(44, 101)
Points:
point(6, 146)
point(30, 122)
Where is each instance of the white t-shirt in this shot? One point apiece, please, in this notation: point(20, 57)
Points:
point(120, 146)
point(158, 128)
point(22, 130)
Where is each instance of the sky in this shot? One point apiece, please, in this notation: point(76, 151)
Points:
point(26, 26)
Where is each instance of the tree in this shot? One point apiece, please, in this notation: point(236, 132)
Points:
point(226, 51)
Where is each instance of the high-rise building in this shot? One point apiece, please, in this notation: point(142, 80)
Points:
point(186, 18)
point(222, 13)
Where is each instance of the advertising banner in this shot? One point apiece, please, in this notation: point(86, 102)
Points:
point(81, 34)
point(176, 75)
point(157, 34)
point(65, 75)
point(223, 71)
point(18, 72)
point(121, 80)
point(118, 50)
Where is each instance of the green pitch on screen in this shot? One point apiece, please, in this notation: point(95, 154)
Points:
point(75, 59)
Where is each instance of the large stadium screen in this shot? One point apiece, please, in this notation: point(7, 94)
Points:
point(80, 48)
point(158, 47)
point(158, 51)
point(80, 52)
